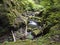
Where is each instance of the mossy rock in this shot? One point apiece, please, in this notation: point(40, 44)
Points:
point(36, 32)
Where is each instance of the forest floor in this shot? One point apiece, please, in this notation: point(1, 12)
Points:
point(52, 38)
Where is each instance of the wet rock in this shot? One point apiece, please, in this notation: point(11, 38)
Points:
point(30, 13)
point(32, 23)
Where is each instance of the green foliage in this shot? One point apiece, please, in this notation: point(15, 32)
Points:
point(30, 5)
point(50, 16)
point(11, 16)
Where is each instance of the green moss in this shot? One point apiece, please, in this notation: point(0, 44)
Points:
point(36, 32)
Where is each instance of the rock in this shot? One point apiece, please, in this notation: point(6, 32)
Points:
point(33, 23)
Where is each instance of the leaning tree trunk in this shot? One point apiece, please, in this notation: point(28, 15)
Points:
point(13, 36)
point(26, 31)
point(26, 26)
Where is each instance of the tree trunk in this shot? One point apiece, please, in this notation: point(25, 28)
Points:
point(13, 36)
point(26, 31)
point(26, 26)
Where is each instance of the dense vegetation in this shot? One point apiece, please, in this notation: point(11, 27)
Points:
point(17, 15)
